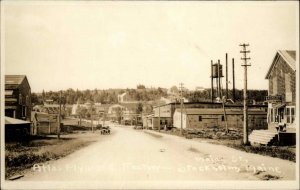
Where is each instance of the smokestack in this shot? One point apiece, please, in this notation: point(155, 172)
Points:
point(226, 77)
point(212, 82)
point(233, 81)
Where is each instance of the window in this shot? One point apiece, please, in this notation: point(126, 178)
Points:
point(23, 111)
point(290, 114)
point(200, 118)
point(20, 99)
point(223, 119)
point(275, 86)
point(271, 115)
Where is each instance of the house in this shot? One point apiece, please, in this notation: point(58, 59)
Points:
point(17, 97)
point(282, 90)
point(281, 101)
point(210, 117)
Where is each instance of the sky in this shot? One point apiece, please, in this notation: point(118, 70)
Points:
point(88, 45)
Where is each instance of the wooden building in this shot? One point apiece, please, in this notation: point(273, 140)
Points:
point(17, 97)
point(166, 112)
point(282, 90)
point(211, 117)
point(281, 102)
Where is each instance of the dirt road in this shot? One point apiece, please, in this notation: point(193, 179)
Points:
point(139, 155)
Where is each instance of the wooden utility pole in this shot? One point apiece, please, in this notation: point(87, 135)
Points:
point(92, 123)
point(59, 116)
point(226, 76)
point(181, 108)
point(219, 80)
point(159, 118)
point(212, 82)
point(233, 81)
point(245, 65)
point(103, 118)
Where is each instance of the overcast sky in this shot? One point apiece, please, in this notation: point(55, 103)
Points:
point(88, 45)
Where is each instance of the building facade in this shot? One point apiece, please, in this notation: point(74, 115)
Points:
point(282, 90)
point(208, 117)
point(17, 97)
point(210, 109)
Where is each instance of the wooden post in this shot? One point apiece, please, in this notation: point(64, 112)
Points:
point(159, 119)
point(219, 80)
point(59, 116)
point(226, 76)
point(245, 65)
point(92, 123)
point(225, 116)
point(212, 82)
point(233, 81)
point(181, 109)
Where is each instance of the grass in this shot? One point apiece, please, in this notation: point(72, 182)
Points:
point(234, 140)
point(22, 155)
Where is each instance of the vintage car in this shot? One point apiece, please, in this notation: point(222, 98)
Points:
point(105, 130)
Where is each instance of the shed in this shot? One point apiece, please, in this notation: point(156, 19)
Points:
point(16, 129)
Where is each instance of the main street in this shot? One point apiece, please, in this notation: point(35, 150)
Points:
point(143, 155)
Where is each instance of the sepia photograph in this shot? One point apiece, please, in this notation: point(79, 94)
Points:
point(149, 94)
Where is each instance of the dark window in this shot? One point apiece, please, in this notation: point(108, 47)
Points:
point(223, 119)
point(200, 118)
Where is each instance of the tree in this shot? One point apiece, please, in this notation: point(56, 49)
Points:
point(140, 86)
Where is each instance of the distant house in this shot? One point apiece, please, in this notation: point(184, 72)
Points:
point(17, 97)
point(282, 90)
point(124, 97)
point(199, 89)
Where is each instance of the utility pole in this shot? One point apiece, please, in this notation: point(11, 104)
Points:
point(59, 116)
point(219, 80)
point(245, 65)
point(212, 82)
point(233, 81)
point(159, 118)
point(226, 76)
point(103, 118)
point(92, 123)
point(181, 107)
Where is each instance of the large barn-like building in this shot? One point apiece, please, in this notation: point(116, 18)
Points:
point(17, 97)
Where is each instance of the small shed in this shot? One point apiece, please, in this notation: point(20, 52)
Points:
point(16, 129)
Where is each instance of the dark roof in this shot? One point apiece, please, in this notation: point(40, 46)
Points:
point(211, 103)
point(13, 81)
point(13, 121)
point(219, 111)
point(288, 55)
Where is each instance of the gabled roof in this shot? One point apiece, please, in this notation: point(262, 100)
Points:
point(10, 121)
point(288, 55)
point(13, 81)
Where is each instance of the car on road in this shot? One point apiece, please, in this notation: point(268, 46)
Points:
point(105, 130)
